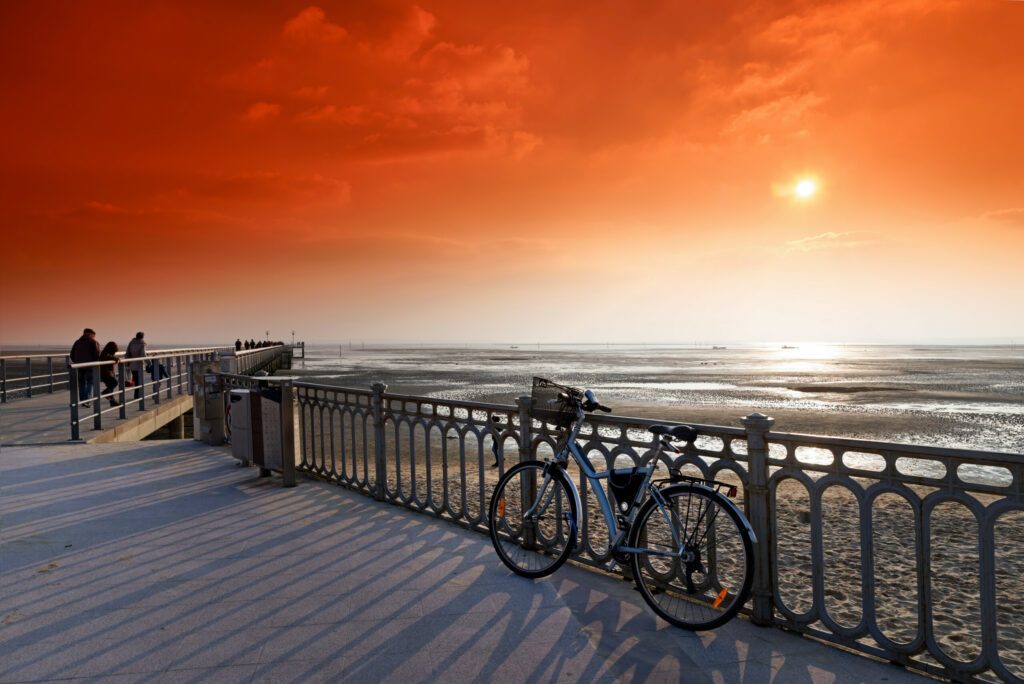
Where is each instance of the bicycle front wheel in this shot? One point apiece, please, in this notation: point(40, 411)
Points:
point(696, 566)
point(533, 519)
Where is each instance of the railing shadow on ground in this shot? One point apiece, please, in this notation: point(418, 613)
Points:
point(870, 575)
point(326, 582)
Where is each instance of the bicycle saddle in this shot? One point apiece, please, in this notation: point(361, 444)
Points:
point(683, 432)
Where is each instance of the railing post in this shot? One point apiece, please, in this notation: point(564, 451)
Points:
point(528, 480)
point(28, 373)
point(288, 428)
point(97, 419)
point(49, 369)
point(3, 381)
point(121, 412)
point(141, 388)
point(73, 388)
point(525, 425)
point(377, 400)
point(154, 371)
point(759, 514)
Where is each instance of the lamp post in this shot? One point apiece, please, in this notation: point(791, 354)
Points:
point(267, 332)
point(293, 338)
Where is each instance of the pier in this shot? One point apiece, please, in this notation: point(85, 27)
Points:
point(874, 561)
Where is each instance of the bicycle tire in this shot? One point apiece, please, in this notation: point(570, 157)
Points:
point(532, 549)
point(667, 584)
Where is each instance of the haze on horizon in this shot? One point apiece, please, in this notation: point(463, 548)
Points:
point(850, 171)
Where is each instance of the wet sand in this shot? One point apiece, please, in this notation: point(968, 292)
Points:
point(945, 396)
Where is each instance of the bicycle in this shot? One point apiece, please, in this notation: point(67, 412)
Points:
point(690, 548)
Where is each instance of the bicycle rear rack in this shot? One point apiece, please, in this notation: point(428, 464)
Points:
point(719, 487)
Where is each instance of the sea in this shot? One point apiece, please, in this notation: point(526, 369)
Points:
point(946, 396)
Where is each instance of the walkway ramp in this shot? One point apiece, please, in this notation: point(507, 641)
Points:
point(52, 414)
point(167, 559)
point(44, 420)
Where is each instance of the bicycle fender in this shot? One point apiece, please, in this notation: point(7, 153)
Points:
point(724, 500)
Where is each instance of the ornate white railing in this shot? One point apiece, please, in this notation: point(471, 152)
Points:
point(871, 575)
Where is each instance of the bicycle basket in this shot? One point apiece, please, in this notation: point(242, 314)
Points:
point(554, 403)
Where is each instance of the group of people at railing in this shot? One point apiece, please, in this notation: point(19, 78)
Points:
point(253, 344)
point(86, 349)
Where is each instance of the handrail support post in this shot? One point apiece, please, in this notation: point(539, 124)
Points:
point(377, 399)
point(759, 514)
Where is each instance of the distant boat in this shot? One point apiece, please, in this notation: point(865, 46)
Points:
point(513, 347)
point(786, 346)
point(716, 347)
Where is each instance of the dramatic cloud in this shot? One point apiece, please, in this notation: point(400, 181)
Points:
point(1011, 217)
point(387, 155)
point(261, 111)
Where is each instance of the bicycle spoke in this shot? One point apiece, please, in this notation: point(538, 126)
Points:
point(702, 583)
point(526, 520)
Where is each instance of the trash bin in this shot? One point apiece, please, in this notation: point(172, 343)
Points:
point(240, 412)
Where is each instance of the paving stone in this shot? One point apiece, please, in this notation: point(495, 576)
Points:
point(165, 561)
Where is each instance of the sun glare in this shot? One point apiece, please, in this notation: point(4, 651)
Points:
point(805, 188)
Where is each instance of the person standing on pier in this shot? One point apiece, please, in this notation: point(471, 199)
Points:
point(136, 350)
point(107, 373)
point(238, 344)
point(493, 429)
point(85, 350)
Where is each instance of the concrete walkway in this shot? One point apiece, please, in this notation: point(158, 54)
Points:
point(46, 419)
point(166, 561)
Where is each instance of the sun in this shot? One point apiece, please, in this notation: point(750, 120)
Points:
point(805, 188)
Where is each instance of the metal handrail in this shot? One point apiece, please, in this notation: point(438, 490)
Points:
point(157, 354)
point(58, 354)
point(244, 352)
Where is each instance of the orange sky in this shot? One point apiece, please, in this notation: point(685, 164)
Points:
point(549, 171)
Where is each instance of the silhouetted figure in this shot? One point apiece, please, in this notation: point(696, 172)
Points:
point(107, 373)
point(136, 350)
point(495, 423)
point(238, 345)
point(85, 350)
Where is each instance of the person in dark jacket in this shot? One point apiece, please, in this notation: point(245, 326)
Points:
point(137, 350)
point(238, 345)
point(108, 372)
point(85, 350)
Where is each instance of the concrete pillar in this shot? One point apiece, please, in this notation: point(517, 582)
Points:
point(229, 363)
point(759, 514)
point(528, 480)
point(377, 405)
point(176, 428)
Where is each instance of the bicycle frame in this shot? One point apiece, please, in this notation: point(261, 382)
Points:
point(594, 478)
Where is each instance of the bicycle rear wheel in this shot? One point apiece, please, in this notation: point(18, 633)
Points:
point(697, 566)
point(533, 523)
